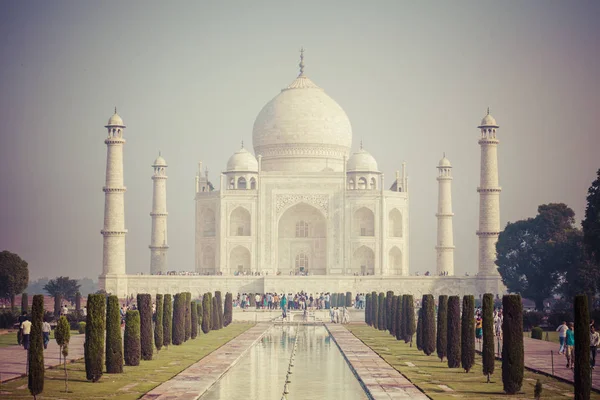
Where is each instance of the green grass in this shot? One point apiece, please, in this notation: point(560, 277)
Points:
point(135, 381)
point(10, 339)
point(429, 372)
point(552, 336)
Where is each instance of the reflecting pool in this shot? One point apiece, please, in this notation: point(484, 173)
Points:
point(319, 372)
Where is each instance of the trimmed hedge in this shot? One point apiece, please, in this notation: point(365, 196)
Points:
point(537, 333)
point(428, 339)
point(206, 309)
point(114, 345)
point(399, 321)
point(348, 299)
point(368, 309)
point(81, 327)
point(158, 323)
point(409, 318)
point(144, 305)
point(62, 332)
point(178, 336)
point(200, 312)
point(93, 347)
point(453, 326)
point(24, 302)
point(442, 327)
point(214, 322)
point(513, 362)
point(375, 310)
point(394, 315)
point(35, 354)
point(194, 326)
point(219, 309)
point(488, 352)
point(188, 316)
point(381, 312)
point(388, 310)
point(133, 347)
point(467, 337)
point(420, 329)
point(167, 319)
point(583, 381)
point(228, 313)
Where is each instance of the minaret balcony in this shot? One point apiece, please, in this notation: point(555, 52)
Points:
point(480, 233)
point(113, 233)
point(497, 189)
point(114, 140)
point(114, 190)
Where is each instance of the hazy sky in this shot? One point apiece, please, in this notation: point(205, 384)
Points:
point(189, 78)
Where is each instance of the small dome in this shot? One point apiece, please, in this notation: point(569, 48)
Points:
point(362, 161)
point(444, 162)
point(159, 162)
point(115, 119)
point(488, 120)
point(242, 160)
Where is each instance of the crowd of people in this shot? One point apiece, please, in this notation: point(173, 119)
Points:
point(566, 339)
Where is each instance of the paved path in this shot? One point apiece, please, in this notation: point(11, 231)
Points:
point(199, 377)
point(380, 379)
point(13, 359)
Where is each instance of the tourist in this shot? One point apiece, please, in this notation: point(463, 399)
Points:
point(283, 307)
point(478, 328)
point(46, 332)
point(498, 325)
point(594, 340)
point(65, 310)
point(22, 318)
point(332, 315)
point(327, 301)
point(345, 316)
point(26, 330)
point(570, 342)
point(562, 334)
point(257, 300)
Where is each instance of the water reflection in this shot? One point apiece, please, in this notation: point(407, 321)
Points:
point(319, 372)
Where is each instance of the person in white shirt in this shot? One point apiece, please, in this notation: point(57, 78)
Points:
point(562, 334)
point(594, 341)
point(46, 332)
point(26, 330)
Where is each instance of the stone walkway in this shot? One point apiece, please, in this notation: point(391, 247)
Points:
point(379, 378)
point(13, 362)
point(199, 377)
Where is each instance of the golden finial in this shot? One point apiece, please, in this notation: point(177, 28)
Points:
point(242, 144)
point(361, 144)
point(488, 111)
point(115, 109)
point(301, 65)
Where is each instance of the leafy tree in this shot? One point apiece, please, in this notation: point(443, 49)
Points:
point(420, 329)
point(513, 362)
point(61, 288)
point(582, 275)
point(133, 348)
point(188, 316)
point(144, 305)
point(36, 348)
point(62, 335)
point(591, 222)
point(467, 341)
point(375, 310)
point(394, 315)
point(388, 310)
point(93, 347)
point(428, 324)
point(529, 252)
point(206, 309)
point(114, 345)
point(219, 309)
point(487, 352)
point(179, 319)
point(167, 319)
point(453, 352)
point(399, 321)
point(381, 312)
point(583, 376)
point(368, 309)
point(78, 302)
point(228, 313)
point(214, 314)
point(409, 318)
point(442, 327)
point(158, 323)
point(194, 332)
point(200, 312)
point(14, 276)
point(24, 302)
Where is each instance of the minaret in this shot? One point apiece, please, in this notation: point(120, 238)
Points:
point(113, 254)
point(158, 241)
point(489, 197)
point(445, 237)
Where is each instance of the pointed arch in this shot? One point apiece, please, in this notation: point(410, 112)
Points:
point(240, 222)
point(239, 260)
point(208, 223)
point(363, 261)
point(208, 260)
point(364, 222)
point(241, 183)
point(395, 223)
point(395, 261)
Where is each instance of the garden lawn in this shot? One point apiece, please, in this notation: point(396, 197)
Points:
point(552, 336)
point(134, 381)
point(429, 372)
point(10, 339)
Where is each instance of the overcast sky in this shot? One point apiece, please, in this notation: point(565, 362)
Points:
point(189, 78)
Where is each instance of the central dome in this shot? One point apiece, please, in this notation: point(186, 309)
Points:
point(302, 129)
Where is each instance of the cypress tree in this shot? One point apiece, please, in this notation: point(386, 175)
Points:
point(420, 329)
point(219, 309)
point(57, 307)
point(487, 351)
point(467, 341)
point(167, 319)
point(388, 310)
point(206, 309)
point(512, 345)
point(35, 353)
point(114, 345)
point(188, 316)
point(429, 334)
point(375, 310)
point(399, 315)
point(334, 300)
point(228, 312)
point(442, 327)
point(158, 323)
point(200, 312)
point(394, 315)
point(409, 324)
point(251, 299)
point(368, 309)
point(24, 302)
point(178, 336)
point(381, 312)
point(194, 312)
point(62, 334)
point(453, 326)
point(583, 382)
point(214, 322)
point(348, 299)
point(93, 347)
point(133, 347)
point(144, 303)
point(78, 303)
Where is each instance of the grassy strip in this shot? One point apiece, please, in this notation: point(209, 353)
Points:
point(552, 336)
point(135, 381)
point(428, 372)
point(10, 339)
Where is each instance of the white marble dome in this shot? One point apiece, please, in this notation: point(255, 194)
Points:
point(302, 129)
point(362, 161)
point(488, 120)
point(444, 162)
point(160, 162)
point(242, 160)
point(115, 119)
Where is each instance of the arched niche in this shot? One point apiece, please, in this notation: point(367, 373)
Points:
point(395, 223)
point(208, 223)
point(395, 261)
point(240, 222)
point(239, 260)
point(364, 222)
point(363, 261)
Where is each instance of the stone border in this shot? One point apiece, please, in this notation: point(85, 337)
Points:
point(379, 379)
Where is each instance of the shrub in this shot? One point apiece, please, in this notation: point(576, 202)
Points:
point(368, 309)
point(24, 302)
point(467, 341)
point(388, 310)
point(512, 345)
point(420, 329)
point(214, 322)
point(219, 309)
point(428, 339)
point(200, 312)
point(348, 299)
point(36, 348)
point(334, 300)
point(453, 352)
point(81, 327)
point(93, 347)
point(206, 309)
point(228, 313)
point(144, 304)
point(167, 319)
point(158, 323)
point(583, 381)
point(178, 319)
point(194, 324)
point(394, 315)
point(442, 327)
point(409, 318)
point(537, 333)
point(375, 310)
point(114, 346)
point(399, 322)
point(381, 312)
point(133, 347)
point(532, 318)
point(556, 318)
point(188, 316)
point(487, 352)
point(62, 335)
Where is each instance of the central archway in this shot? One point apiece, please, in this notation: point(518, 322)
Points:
point(302, 241)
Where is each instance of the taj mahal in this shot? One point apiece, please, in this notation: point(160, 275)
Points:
point(300, 212)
